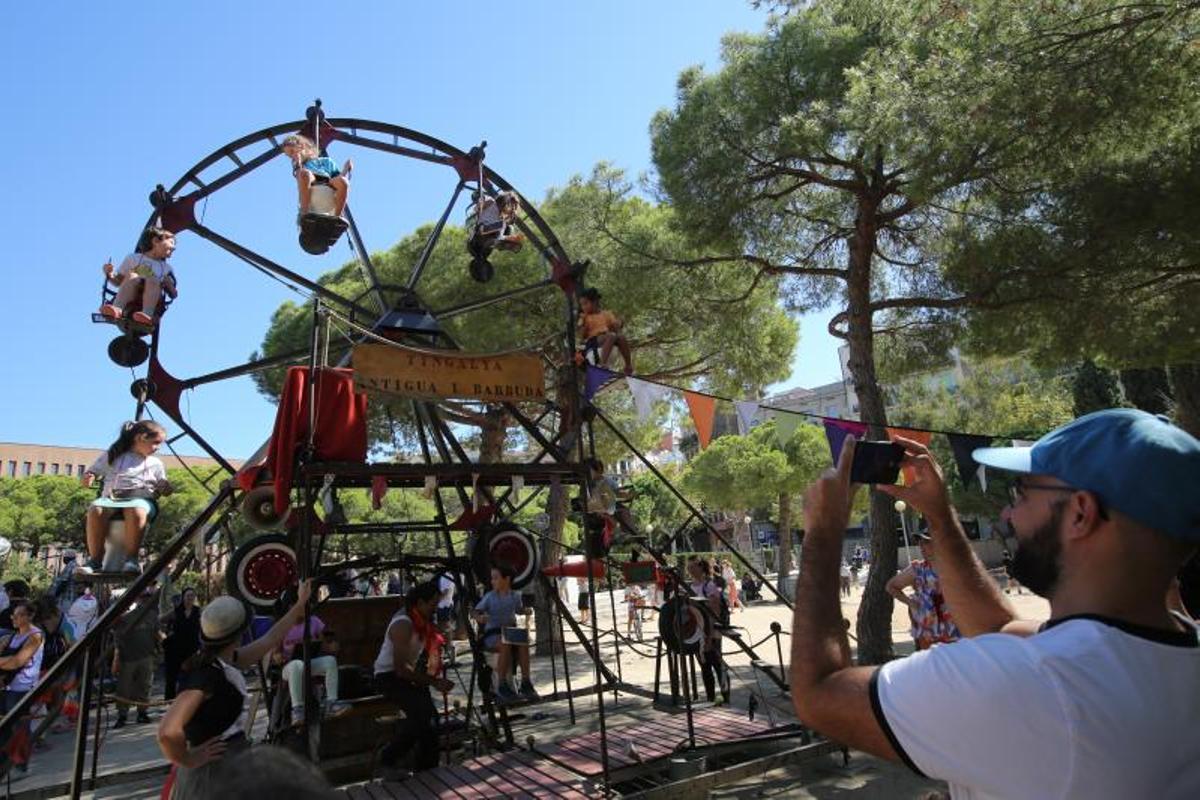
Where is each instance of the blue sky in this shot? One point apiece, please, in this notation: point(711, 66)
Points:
point(105, 101)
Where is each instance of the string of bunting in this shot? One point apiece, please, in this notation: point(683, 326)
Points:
point(702, 407)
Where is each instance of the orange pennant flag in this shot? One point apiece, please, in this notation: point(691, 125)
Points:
point(922, 437)
point(703, 410)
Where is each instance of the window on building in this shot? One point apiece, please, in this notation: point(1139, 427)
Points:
point(54, 469)
point(26, 468)
point(12, 469)
point(79, 470)
point(68, 469)
point(41, 468)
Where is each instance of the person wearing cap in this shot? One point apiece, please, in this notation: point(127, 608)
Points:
point(932, 622)
point(208, 717)
point(1099, 701)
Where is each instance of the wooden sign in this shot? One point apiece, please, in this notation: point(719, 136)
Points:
point(390, 369)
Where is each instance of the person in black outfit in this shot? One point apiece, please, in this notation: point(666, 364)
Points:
point(182, 642)
point(405, 669)
point(208, 718)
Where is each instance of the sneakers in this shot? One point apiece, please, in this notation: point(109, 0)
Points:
point(297, 715)
point(91, 566)
point(131, 565)
point(528, 692)
point(505, 693)
point(142, 318)
point(109, 311)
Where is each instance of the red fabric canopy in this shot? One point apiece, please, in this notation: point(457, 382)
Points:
point(341, 421)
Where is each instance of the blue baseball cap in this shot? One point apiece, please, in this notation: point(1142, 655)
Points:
point(1137, 463)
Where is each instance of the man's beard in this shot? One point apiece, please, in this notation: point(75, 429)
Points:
point(1036, 564)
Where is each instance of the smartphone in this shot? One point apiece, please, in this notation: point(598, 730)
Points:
point(876, 462)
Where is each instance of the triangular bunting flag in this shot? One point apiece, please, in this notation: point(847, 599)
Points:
point(518, 483)
point(836, 431)
point(703, 410)
point(645, 395)
point(963, 444)
point(596, 379)
point(1022, 443)
point(981, 473)
point(746, 411)
point(922, 437)
point(785, 426)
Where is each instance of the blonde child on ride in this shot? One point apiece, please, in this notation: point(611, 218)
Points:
point(310, 167)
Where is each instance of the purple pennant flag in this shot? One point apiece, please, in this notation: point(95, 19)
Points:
point(963, 444)
point(836, 431)
point(596, 379)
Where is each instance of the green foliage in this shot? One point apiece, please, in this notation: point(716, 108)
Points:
point(654, 504)
point(1094, 388)
point(43, 509)
point(30, 570)
point(1006, 398)
point(737, 472)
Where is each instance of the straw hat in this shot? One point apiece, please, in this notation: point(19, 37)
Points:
point(223, 620)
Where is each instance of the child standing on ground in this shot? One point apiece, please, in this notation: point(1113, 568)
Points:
point(496, 611)
point(142, 278)
point(635, 598)
point(134, 479)
point(600, 330)
point(309, 167)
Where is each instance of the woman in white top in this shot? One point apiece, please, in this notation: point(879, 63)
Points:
point(134, 478)
point(406, 667)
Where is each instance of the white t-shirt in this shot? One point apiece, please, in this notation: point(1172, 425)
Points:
point(1087, 708)
point(129, 472)
point(446, 587)
point(144, 266)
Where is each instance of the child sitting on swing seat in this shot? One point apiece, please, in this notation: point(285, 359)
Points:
point(600, 331)
point(142, 277)
point(495, 222)
point(134, 479)
point(310, 167)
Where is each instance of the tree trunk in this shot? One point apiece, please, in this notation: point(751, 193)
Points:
point(1185, 387)
point(1148, 389)
point(548, 640)
point(492, 435)
point(784, 566)
point(875, 612)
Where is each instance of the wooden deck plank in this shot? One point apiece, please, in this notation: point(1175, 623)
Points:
point(356, 793)
point(430, 786)
point(398, 791)
point(571, 786)
point(463, 788)
point(468, 782)
point(503, 786)
point(378, 792)
point(515, 772)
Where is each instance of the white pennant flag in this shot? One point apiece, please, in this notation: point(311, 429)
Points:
point(645, 395)
point(518, 483)
point(981, 473)
point(746, 411)
point(1022, 443)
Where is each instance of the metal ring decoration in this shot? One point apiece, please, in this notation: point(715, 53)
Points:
point(505, 543)
point(261, 569)
point(684, 625)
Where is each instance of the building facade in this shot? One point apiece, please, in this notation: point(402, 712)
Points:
point(20, 460)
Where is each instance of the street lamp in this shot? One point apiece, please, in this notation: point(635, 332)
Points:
point(901, 507)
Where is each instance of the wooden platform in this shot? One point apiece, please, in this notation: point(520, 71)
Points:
point(516, 774)
point(655, 737)
point(570, 768)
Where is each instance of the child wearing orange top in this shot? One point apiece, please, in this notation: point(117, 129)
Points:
point(600, 330)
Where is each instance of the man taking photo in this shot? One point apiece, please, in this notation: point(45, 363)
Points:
point(1099, 701)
